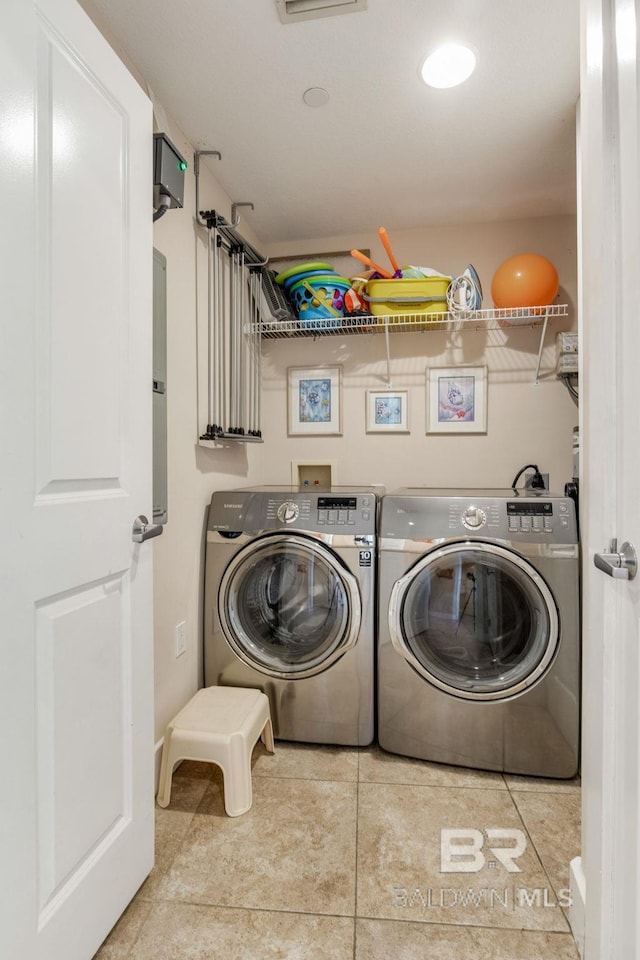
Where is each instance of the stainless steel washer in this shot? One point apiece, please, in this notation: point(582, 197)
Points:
point(479, 640)
point(290, 606)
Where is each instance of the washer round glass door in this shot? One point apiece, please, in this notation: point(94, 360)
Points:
point(475, 620)
point(288, 607)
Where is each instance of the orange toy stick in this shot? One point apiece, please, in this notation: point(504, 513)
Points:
point(363, 259)
point(382, 233)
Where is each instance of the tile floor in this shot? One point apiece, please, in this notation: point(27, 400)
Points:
point(339, 858)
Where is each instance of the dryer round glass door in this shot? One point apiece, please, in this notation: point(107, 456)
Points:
point(288, 607)
point(475, 620)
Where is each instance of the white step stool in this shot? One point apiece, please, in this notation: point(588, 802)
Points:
point(219, 725)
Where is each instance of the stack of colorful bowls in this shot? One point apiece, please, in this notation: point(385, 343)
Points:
point(317, 293)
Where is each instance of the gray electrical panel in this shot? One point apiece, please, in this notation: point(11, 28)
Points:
point(168, 169)
point(160, 511)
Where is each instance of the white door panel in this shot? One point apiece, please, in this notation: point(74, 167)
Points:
point(75, 388)
point(610, 198)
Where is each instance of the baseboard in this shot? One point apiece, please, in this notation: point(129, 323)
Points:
point(577, 885)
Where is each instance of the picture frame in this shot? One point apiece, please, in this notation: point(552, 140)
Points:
point(387, 411)
point(456, 399)
point(314, 406)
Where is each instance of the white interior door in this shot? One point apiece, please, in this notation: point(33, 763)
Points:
point(610, 230)
point(76, 831)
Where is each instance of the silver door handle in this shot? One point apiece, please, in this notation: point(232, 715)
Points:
point(620, 565)
point(143, 530)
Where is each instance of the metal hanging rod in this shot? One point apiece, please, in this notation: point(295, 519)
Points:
point(210, 218)
point(233, 239)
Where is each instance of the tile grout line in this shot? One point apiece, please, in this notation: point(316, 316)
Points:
point(545, 793)
point(227, 906)
point(538, 855)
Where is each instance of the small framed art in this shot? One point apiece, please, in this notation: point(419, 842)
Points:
point(457, 400)
point(387, 411)
point(314, 403)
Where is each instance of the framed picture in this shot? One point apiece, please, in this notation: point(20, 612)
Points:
point(314, 407)
point(457, 400)
point(387, 411)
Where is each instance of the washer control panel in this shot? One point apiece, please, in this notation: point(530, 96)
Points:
point(257, 510)
point(343, 510)
point(326, 512)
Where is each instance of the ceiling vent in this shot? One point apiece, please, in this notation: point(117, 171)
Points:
point(290, 11)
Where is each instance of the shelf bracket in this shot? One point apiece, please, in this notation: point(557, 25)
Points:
point(388, 350)
point(542, 336)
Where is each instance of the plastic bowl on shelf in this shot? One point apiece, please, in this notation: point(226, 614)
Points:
point(320, 298)
point(302, 269)
point(297, 277)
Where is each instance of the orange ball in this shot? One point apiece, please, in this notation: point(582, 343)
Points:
point(526, 280)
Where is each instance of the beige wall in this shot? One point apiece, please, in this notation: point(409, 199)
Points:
point(527, 421)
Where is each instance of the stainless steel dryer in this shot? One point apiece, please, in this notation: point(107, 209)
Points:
point(479, 641)
point(290, 606)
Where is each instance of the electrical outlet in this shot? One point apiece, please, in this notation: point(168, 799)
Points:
point(181, 638)
point(529, 477)
point(566, 354)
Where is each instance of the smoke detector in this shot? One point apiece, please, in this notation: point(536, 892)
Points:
point(291, 11)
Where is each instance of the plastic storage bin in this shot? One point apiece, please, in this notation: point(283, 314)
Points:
point(411, 296)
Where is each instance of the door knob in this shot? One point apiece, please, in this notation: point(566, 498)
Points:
point(143, 530)
point(620, 565)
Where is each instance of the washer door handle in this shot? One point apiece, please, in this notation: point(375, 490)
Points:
point(621, 565)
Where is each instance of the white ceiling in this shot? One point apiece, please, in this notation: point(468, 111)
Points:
point(386, 149)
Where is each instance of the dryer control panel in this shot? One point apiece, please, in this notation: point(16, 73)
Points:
point(530, 517)
point(501, 515)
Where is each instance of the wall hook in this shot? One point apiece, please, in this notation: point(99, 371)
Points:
point(196, 172)
point(235, 219)
point(203, 153)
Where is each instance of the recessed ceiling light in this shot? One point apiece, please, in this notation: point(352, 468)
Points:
point(315, 97)
point(449, 65)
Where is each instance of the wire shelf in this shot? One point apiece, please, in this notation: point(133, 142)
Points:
point(489, 319)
